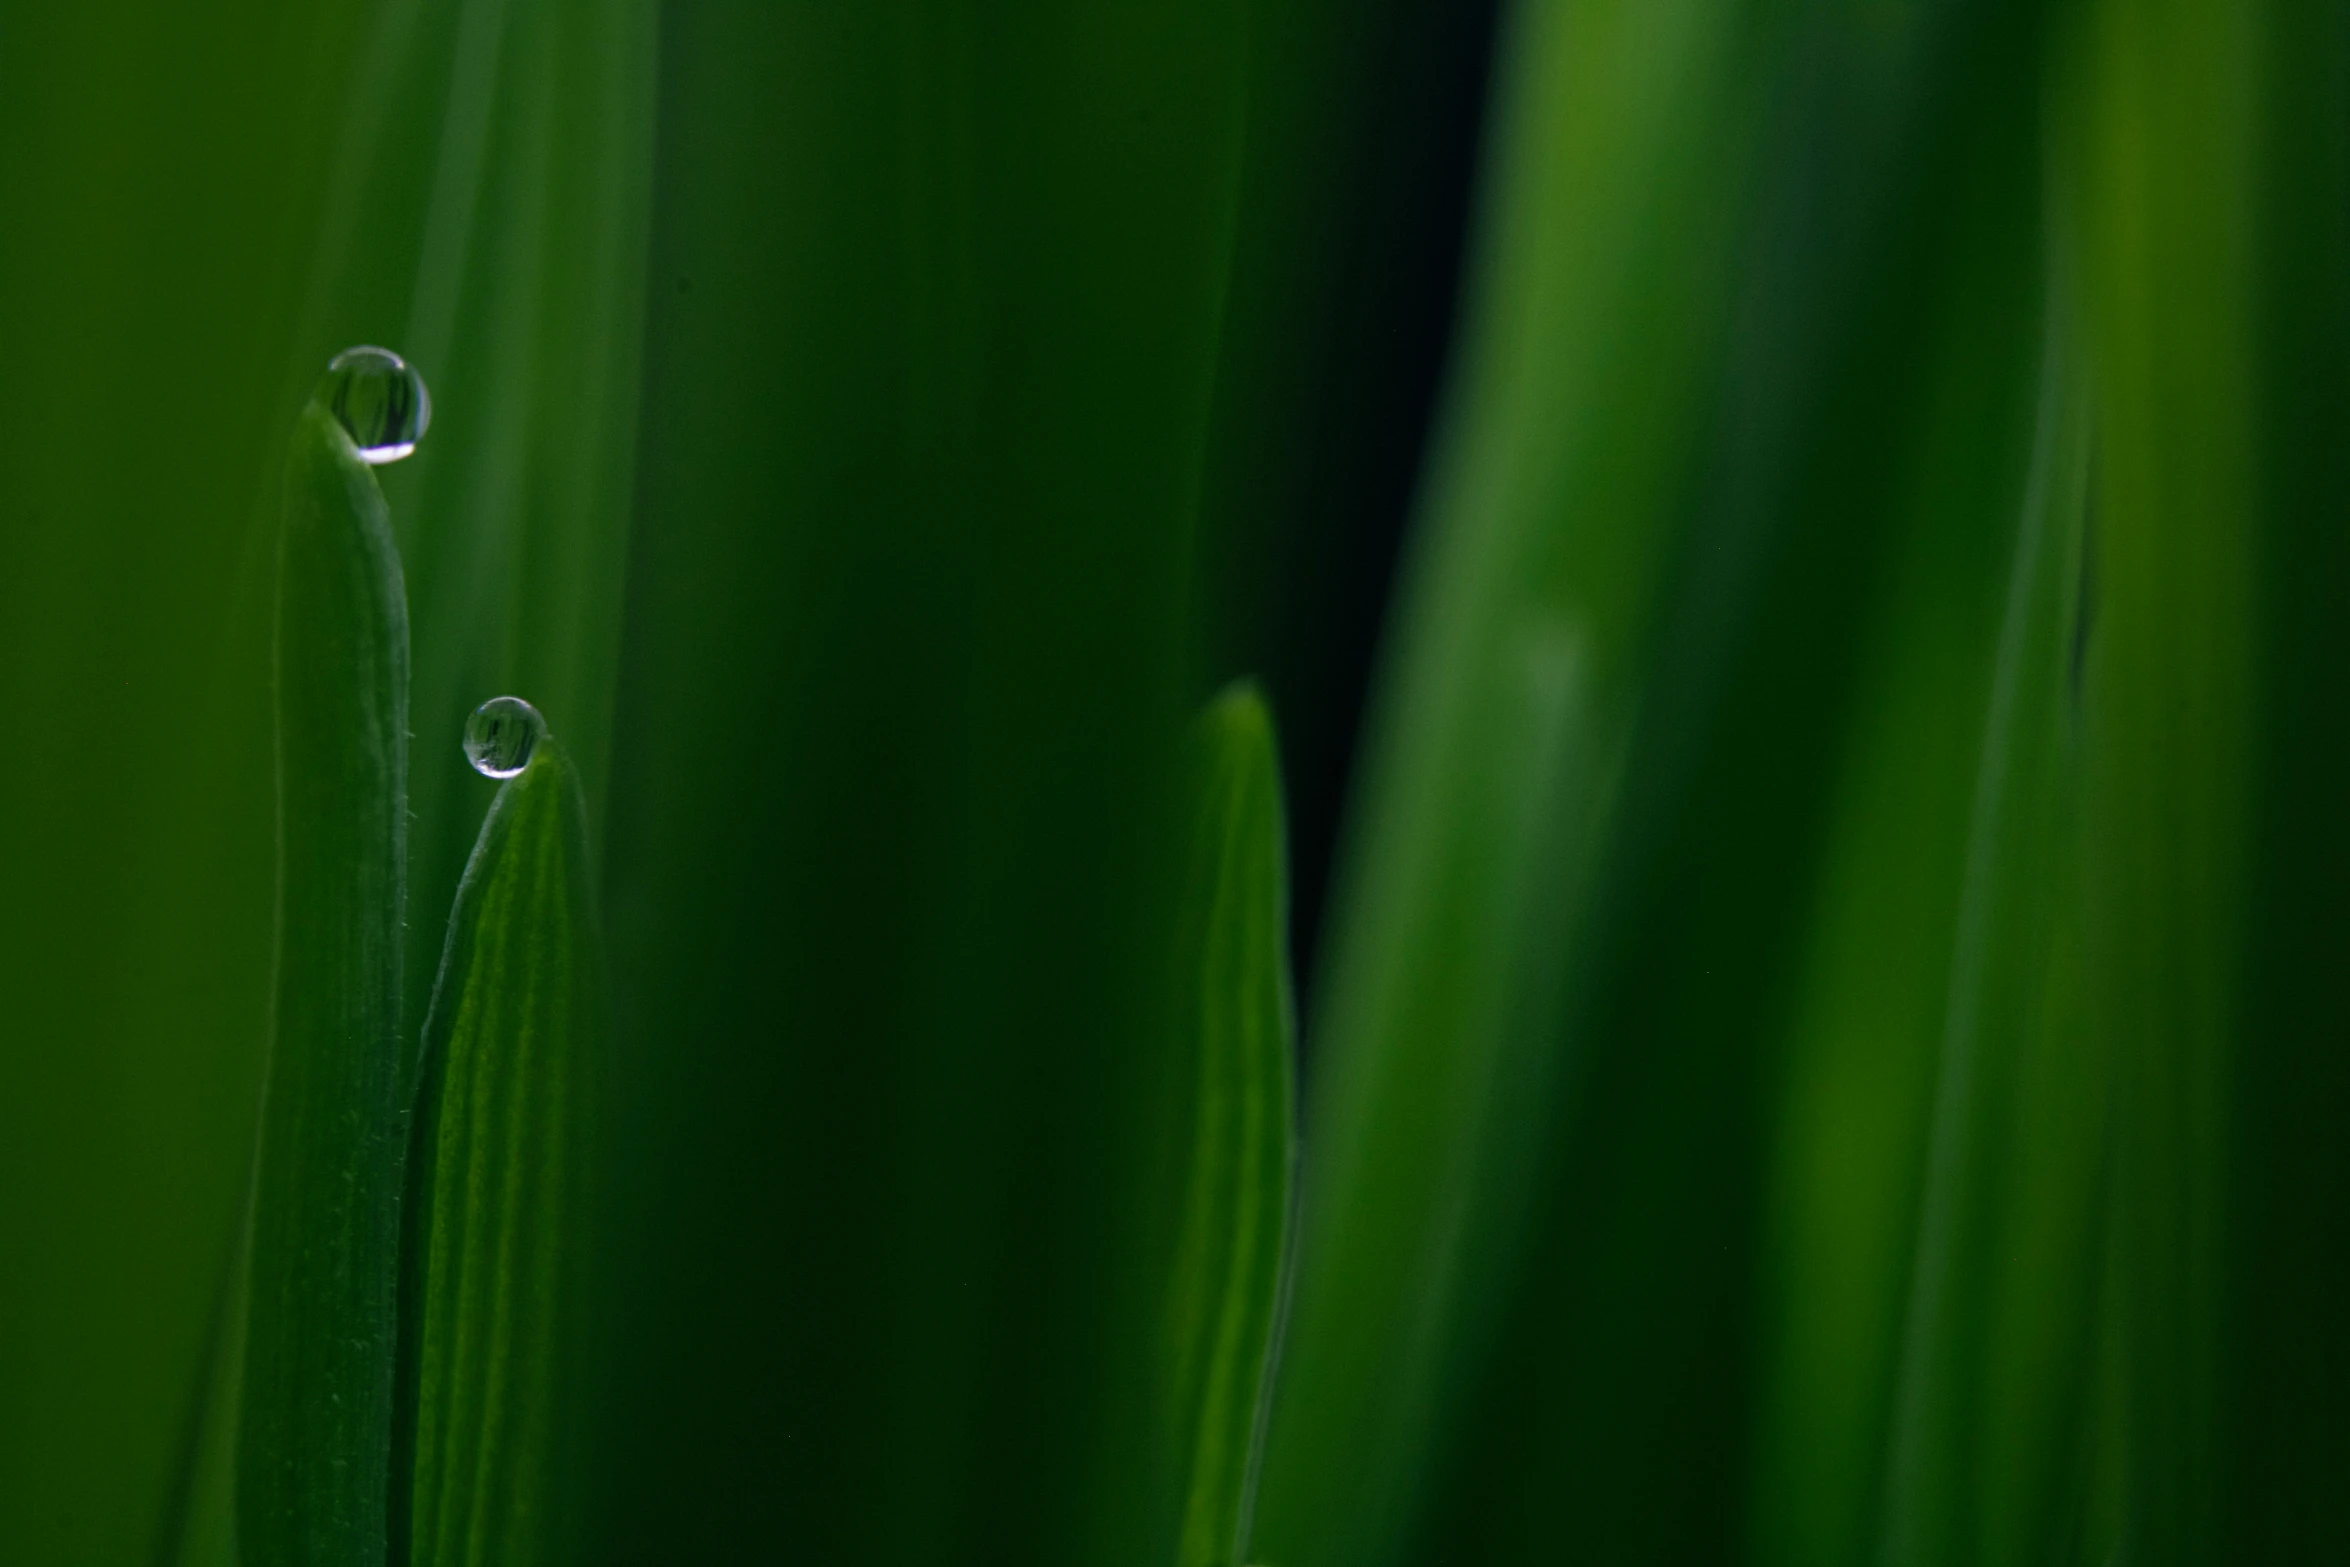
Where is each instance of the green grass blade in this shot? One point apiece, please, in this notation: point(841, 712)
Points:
point(314, 1437)
point(1553, 511)
point(2167, 136)
point(1616, 1408)
point(2289, 1180)
point(198, 1527)
point(1917, 1030)
point(1991, 1382)
point(1224, 1306)
point(1658, 536)
point(510, 1115)
point(492, 186)
point(526, 305)
point(1363, 121)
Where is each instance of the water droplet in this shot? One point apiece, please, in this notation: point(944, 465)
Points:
point(379, 400)
point(500, 736)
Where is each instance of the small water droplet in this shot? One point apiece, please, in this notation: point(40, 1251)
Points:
point(500, 736)
point(379, 400)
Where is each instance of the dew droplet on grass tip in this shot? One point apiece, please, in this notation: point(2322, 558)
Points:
point(500, 736)
point(379, 400)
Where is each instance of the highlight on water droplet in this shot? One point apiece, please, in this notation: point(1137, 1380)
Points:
point(500, 736)
point(379, 400)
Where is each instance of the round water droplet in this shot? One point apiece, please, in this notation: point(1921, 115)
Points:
point(500, 736)
point(378, 400)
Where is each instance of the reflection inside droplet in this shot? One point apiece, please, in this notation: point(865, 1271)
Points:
point(378, 400)
point(500, 736)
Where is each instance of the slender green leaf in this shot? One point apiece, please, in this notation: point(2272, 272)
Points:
point(1723, 248)
point(510, 1119)
point(1363, 124)
point(2162, 165)
point(1994, 1375)
point(1553, 510)
point(1872, 475)
point(493, 182)
point(199, 1525)
point(315, 1431)
point(1920, 1056)
point(1224, 1307)
point(2288, 1183)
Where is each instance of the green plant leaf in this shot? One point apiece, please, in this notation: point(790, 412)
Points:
point(494, 181)
point(1904, 1360)
point(199, 1526)
point(315, 1431)
point(1555, 504)
point(1224, 1306)
point(2288, 1182)
point(1994, 1375)
point(164, 172)
point(509, 1125)
point(2165, 141)
point(1657, 528)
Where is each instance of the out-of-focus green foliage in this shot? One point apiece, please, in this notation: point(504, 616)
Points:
point(1825, 1039)
point(173, 168)
point(894, 816)
point(2179, 530)
point(503, 1196)
point(1930, 1236)
point(1224, 1299)
point(1877, 1191)
point(1495, 763)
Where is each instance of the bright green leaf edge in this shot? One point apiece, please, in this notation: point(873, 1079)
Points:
point(315, 1421)
point(1226, 1297)
point(501, 1219)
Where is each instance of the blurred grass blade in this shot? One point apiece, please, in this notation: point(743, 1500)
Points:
point(528, 294)
point(1554, 508)
point(1224, 1307)
point(1673, 480)
point(1917, 1043)
point(1991, 1381)
point(315, 1426)
point(510, 1117)
point(2288, 1181)
point(198, 1527)
point(2168, 133)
